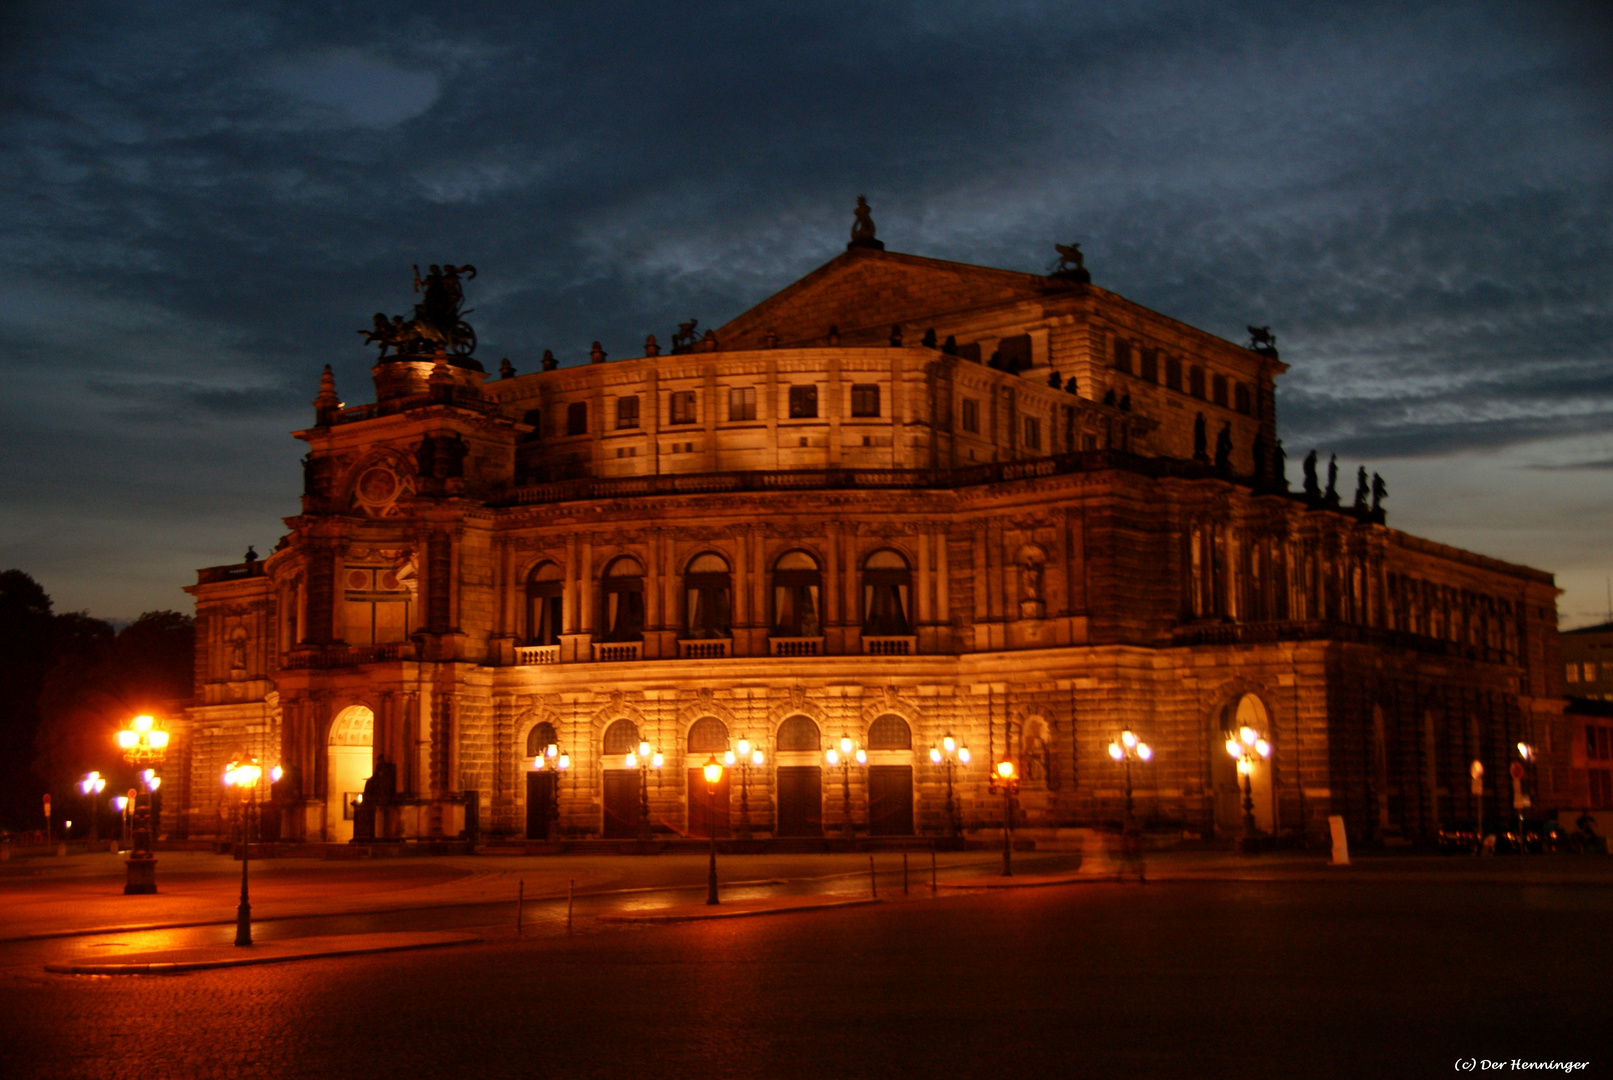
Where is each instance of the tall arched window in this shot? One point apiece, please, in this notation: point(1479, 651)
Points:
point(708, 735)
point(542, 735)
point(543, 605)
point(890, 732)
point(707, 612)
point(797, 585)
point(622, 596)
point(620, 738)
point(798, 733)
point(887, 587)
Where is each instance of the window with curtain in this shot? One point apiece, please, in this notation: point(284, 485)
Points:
point(803, 402)
point(543, 605)
point(797, 591)
point(623, 600)
point(742, 403)
point(887, 589)
point(683, 408)
point(865, 399)
point(627, 412)
point(706, 590)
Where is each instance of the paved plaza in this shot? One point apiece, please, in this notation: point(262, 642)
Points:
point(1219, 965)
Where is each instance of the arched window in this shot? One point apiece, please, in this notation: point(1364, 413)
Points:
point(890, 733)
point(798, 733)
point(708, 735)
point(621, 738)
point(622, 593)
point(542, 735)
point(707, 612)
point(887, 586)
point(543, 605)
point(797, 586)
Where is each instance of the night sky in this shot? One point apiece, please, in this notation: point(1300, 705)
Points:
point(203, 202)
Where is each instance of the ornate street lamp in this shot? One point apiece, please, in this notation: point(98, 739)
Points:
point(552, 760)
point(91, 786)
point(144, 744)
point(124, 805)
point(1126, 747)
point(1006, 777)
point(1248, 748)
point(243, 776)
point(646, 759)
point(745, 759)
point(951, 754)
point(713, 771)
point(843, 755)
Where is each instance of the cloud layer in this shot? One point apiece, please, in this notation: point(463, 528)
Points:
point(207, 202)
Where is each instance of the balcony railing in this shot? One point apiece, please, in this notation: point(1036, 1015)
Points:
point(890, 646)
point(614, 652)
point(795, 646)
point(338, 656)
point(537, 654)
point(705, 649)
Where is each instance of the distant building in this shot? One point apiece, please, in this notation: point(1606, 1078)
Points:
point(1588, 681)
point(1588, 662)
point(903, 499)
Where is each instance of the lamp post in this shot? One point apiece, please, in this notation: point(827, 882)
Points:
point(244, 776)
point(144, 744)
point(124, 805)
point(646, 759)
point(713, 770)
point(745, 759)
point(92, 785)
point(552, 760)
point(1520, 793)
point(1007, 777)
point(951, 754)
point(1248, 748)
point(843, 755)
point(1124, 748)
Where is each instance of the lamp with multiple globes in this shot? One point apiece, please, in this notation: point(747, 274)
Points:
point(243, 776)
point(744, 757)
point(1006, 777)
point(646, 759)
point(1248, 748)
point(1125, 748)
point(952, 754)
point(91, 787)
point(842, 755)
point(144, 743)
point(713, 773)
point(553, 760)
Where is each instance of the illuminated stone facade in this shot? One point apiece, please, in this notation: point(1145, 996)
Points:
point(874, 506)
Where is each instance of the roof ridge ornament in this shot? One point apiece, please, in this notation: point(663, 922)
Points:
point(1070, 265)
point(862, 227)
point(438, 323)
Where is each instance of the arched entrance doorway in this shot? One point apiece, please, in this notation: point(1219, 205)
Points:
point(1246, 711)
point(708, 811)
point(799, 778)
point(349, 757)
point(890, 777)
point(621, 783)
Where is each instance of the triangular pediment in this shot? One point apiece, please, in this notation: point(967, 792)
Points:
point(864, 292)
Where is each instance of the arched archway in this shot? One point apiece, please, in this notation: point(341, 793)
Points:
point(1247, 710)
point(542, 785)
point(349, 759)
point(622, 811)
point(890, 776)
point(708, 811)
point(799, 778)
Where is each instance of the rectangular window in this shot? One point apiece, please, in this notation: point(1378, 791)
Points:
point(1601, 788)
point(1573, 676)
point(627, 412)
point(1033, 433)
point(1240, 398)
point(865, 400)
point(742, 403)
point(1218, 387)
point(683, 407)
point(971, 415)
point(803, 402)
point(1123, 356)
point(1173, 373)
point(577, 418)
point(1150, 365)
point(1195, 381)
point(1598, 743)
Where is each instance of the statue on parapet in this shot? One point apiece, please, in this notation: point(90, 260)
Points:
point(1380, 492)
point(1362, 490)
point(1313, 489)
point(1279, 466)
point(1331, 496)
point(438, 322)
point(862, 227)
point(1070, 265)
point(1223, 450)
point(1263, 341)
point(687, 335)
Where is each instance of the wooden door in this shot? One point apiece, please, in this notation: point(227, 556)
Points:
point(704, 808)
point(539, 804)
point(890, 800)
point(800, 800)
point(621, 804)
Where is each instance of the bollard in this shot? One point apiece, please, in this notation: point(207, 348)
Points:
point(520, 899)
point(1341, 844)
point(571, 888)
point(904, 873)
point(932, 869)
point(873, 886)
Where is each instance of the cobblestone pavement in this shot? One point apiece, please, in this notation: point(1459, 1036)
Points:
point(1371, 975)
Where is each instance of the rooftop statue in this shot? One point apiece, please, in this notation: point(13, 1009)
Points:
point(1380, 492)
point(1263, 341)
point(1070, 264)
point(1362, 488)
point(685, 338)
point(862, 228)
point(1313, 490)
point(1331, 495)
point(438, 321)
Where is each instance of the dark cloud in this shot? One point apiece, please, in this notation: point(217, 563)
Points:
point(205, 203)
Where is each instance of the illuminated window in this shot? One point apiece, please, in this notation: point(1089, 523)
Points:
point(887, 588)
point(797, 585)
point(742, 403)
point(543, 605)
point(706, 612)
point(803, 402)
point(622, 596)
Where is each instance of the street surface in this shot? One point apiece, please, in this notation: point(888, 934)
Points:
point(1218, 966)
